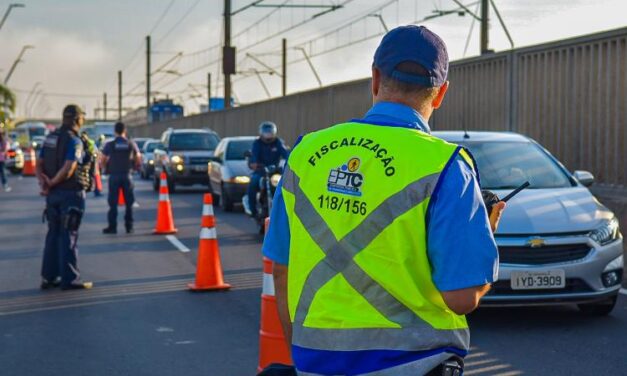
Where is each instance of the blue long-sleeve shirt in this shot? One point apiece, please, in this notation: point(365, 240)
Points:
point(467, 259)
point(268, 154)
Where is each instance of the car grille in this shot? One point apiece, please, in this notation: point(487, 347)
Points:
point(199, 160)
point(549, 254)
point(573, 285)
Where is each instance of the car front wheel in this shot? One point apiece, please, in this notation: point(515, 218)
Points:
point(601, 308)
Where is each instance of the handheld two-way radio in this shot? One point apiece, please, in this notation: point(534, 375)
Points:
point(490, 198)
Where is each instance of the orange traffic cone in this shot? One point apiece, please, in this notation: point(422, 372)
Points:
point(165, 222)
point(272, 344)
point(30, 162)
point(98, 180)
point(208, 267)
point(121, 201)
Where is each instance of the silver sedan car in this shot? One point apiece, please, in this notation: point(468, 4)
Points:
point(557, 243)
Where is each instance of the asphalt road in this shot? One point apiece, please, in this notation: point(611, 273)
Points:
point(139, 319)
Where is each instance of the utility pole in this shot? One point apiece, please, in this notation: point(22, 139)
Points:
point(119, 95)
point(208, 92)
point(485, 23)
point(16, 62)
point(228, 55)
point(148, 75)
point(6, 14)
point(104, 108)
point(284, 68)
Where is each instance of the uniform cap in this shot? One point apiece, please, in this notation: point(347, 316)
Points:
point(72, 110)
point(415, 44)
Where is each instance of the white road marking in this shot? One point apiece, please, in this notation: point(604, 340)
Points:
point(177, 243)
point(623, 291)
point(136, 204)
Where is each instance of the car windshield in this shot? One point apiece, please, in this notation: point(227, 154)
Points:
point(193, 141)
point(236, 149)
point(151, 146)
point(140, 143)
point(506, 165)
point(37, 132)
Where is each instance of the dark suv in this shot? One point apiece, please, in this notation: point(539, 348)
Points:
point(184, 156)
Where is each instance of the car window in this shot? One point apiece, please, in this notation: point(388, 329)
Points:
point(237, 149)
point(506, 165)
point(193, 141)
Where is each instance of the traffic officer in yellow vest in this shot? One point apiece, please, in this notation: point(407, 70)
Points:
point(379, 234)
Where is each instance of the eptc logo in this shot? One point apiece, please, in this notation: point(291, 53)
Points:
point(346, 179)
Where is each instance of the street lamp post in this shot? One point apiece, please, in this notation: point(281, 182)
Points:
point(6, 14)
point(16, 62)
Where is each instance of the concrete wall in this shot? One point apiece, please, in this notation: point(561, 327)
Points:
point(569, 95)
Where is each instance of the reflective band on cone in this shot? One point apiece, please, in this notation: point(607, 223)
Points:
point(209, 274)
point(208, 233)
point(165, 221)
point(273, 347)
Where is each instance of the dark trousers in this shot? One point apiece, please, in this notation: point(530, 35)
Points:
point(253, 188)
point(3, 177)
point(60, 252)
point(117, 182)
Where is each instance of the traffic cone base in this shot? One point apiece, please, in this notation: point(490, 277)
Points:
point(194, 287)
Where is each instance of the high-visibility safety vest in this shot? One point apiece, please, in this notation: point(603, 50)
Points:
point(359, 281)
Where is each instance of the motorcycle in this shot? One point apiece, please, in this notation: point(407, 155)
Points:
point(267, 188)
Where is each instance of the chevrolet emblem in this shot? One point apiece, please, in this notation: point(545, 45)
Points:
point(536, 242)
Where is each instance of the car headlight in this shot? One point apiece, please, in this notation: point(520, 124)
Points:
point(275, 179)
point(151, 162)
point(241, 179)
point(177, 159)
point(608, 232)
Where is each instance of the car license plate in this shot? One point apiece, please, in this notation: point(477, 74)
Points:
point(200, 168)
point(549, 279)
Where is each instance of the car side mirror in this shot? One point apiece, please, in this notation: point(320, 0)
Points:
point(248, 154)
point(584, 177)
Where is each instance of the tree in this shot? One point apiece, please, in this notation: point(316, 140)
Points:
point(7, 103)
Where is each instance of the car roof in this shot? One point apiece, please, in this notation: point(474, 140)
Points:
point(459, 136)
point(240, 138)
point(190, 130)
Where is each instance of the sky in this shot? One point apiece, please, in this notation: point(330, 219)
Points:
point(79, 45)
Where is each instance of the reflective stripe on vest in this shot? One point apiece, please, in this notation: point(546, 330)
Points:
point(331, 248)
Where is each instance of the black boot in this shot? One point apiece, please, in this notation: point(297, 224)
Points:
point(109, 230)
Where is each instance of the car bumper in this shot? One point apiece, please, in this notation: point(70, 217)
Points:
point(189, 175)
point(235, 191)
point(583, 280)
point(14, 163)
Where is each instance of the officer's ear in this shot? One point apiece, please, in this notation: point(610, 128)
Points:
point(437, 101)
point(376, 82)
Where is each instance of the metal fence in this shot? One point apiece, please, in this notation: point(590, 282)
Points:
point(569, 95)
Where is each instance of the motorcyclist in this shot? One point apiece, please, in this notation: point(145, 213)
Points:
point(267, 150)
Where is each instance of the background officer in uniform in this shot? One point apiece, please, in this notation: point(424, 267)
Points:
point(379, 233)
point(267, 150)
point(63, 174)
point(120, 156)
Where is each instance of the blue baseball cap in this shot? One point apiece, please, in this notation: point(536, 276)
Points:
point(416, 44)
